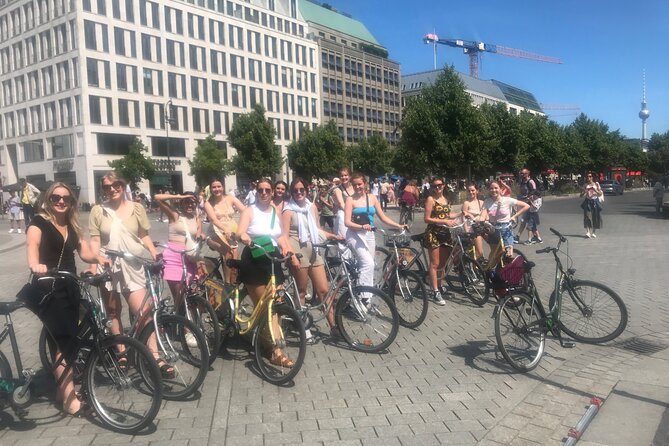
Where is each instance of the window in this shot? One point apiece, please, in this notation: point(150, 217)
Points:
point(62, 146)
point(149, 14)
point(151, 48)
point(126, 77)
point(176, 85)
point(91, 32)
point(175, 53)
point(217, 63)
point(114, 144)
point(92, 72)
point(237, 67)
point(238, 95)
point(195, 26)
point(124, 42)
point(33, 151)
point(219, 92)
point(174, 20)
point(216, 32)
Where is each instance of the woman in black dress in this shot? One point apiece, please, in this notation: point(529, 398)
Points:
point(52, 238)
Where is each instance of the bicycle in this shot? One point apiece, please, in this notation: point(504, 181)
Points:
point(406, 213)
point(365, 316)
point(522, 322)
point(274, 324)
point(405, 287)
point(193, 306)
point(119, 376)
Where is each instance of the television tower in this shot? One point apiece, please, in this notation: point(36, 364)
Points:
point(644, 114)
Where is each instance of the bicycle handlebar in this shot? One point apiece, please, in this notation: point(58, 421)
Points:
point(86, 277)
point(562, 237)
point(148, 263)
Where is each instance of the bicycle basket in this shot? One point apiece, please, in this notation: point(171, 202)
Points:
point(456, 231)
point(510, 276)
point(401, 240)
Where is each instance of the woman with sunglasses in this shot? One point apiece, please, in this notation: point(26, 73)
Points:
point(301, 230)
point(184, 223)
point(592, 208)
point(472, 208)
point(361, 211)
point(123, 225)
point(437, 237)
point(220, 210)
point(502, 212)
point(280, 196)
point(52, 237)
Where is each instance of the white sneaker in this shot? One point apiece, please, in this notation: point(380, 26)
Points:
point(190, 340)
point(18, 231)
point(594, 235)
point(11, 231)
point(587, 234)
point(437, 299)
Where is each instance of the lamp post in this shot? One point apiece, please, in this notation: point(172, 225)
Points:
point(168, 124)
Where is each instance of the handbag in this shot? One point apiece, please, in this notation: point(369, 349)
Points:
point(263, 244)
point(362, 219)
point(193, 254)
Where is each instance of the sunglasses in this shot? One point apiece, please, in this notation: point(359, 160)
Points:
point(55, 199)
point(298, 190)
point(117, 185)
point(439, 185)
point(264, 191)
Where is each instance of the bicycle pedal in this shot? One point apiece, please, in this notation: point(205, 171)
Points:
point(568, 344)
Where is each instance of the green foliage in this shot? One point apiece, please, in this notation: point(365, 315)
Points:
point(318, 152)
point(208, 162)
point(253, 137)
point(134, 166)
point(658, 154)
point(371, 156)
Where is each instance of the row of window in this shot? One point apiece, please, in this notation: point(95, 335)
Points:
point(332, 61)
point(39, 47)
point(57, 147)
point(32, 14)
point(334, 87)
point(52, 115)
point(44, 82)
point(360, 114)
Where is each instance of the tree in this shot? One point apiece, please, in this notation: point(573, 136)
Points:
point(253, 137)
point(318, 152)
point(134, 166)
point(371, 156)
point(209, 161)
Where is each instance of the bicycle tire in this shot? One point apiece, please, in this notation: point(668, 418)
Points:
point(519, 331)
point(582, 300)
point(207, 320)
point(410, 297)
point(293, 343)
point(453, 278)
point(474, 282)
point(383, 323)
point(5, 367)
point(190, 362)
point(117, 391)
point(44, 351)
point(382, 257)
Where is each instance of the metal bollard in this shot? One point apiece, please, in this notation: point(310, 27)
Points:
point(575, 433)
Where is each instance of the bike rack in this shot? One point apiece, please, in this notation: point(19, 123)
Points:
point(575, 433)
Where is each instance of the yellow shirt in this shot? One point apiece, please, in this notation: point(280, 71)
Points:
point(100, 222)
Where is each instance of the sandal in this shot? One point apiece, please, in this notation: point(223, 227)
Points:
point(166, 370)
point(85, 411)
point(282, 360)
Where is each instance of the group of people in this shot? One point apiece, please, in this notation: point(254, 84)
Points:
point(21, 205)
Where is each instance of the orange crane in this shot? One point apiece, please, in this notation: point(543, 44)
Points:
point(474, 49)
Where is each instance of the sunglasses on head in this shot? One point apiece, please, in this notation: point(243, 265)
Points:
point(117, 185)
point(55, 199)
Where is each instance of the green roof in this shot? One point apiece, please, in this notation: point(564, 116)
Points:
point(312, 12)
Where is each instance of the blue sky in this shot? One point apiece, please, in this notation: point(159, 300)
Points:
point(604, 46)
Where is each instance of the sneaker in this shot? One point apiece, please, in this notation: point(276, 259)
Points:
point(446, 293)
point(516, 239)
point(594, 235)
point(18, 231)
point(529, 242)
point(437, 299)
point(190, 340)
point(537, 240)
point(11, 231)
point(588, 235)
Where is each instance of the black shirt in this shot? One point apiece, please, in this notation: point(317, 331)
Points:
point(51, 245)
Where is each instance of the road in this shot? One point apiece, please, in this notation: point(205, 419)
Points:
point(442, 383)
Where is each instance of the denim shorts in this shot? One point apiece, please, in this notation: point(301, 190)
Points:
point(532, 221)
point(504, 231)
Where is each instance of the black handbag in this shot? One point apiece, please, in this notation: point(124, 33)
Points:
point(362, 219)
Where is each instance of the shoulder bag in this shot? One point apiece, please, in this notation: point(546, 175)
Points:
point(362, 219)
point(193, 255)
point(263, 244)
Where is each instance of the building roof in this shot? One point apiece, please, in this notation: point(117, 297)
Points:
point(313, 12)
point(518, 97)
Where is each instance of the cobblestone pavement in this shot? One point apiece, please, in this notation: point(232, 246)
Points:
point(444, 382)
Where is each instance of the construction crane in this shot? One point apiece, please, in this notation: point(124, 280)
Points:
point(474, 49)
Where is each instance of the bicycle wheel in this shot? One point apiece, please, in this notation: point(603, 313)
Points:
point(453, 277)
point(474, 282)
point(410, 297)
point(591, 312)
point(183, 359)
point(520, 332)
point(404, 215)
point(382, 257)
point(123, 384)
point(204, 316)
point(369, 327)
point(289, 336)
point(44, 350)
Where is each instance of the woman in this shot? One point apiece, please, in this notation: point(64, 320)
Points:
point(261, 220)
point(220, 210)
point(280, 196)
point(184, 224)
point(502, 212)
point(300, 231)
point(15, 212)
point(437, 237)
point(410, 194)
point(325, 206)
point(121, 224)
point(472, 208)
point(339, 197)
point(359, 214)
point(52, 237)
point(592, 208)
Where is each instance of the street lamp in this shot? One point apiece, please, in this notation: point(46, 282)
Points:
point(168, 123)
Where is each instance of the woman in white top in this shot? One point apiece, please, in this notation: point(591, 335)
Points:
point(499, 211)
point(592, 208)
point(472, 208)
point(340, 194)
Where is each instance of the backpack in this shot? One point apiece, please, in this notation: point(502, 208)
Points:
point(540, 188)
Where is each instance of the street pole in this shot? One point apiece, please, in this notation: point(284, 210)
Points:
point(168, 123)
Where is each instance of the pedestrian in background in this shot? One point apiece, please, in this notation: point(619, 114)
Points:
point(658, 194)
point(385, 188)
point(15, 212)
point(592, 208)
point(29, 196)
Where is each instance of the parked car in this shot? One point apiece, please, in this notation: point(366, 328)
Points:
point(611, 187)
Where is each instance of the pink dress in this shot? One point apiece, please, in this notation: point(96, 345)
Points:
point(173, 270)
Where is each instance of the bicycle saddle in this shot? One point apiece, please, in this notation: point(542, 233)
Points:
point(418, 237)
point(234, 263)
point(529, 265)
point(9, 307)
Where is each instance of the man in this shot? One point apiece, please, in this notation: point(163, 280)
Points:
point(527, 188)
point(384, 194)
point(251, 196)
point(658, 194)
point(29, 196)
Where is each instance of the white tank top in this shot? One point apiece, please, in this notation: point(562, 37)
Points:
point(261, 224)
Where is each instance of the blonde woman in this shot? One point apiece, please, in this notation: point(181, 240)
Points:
point(220, 210)
point(52, 238)
point(340, 195)
point(592, 207)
